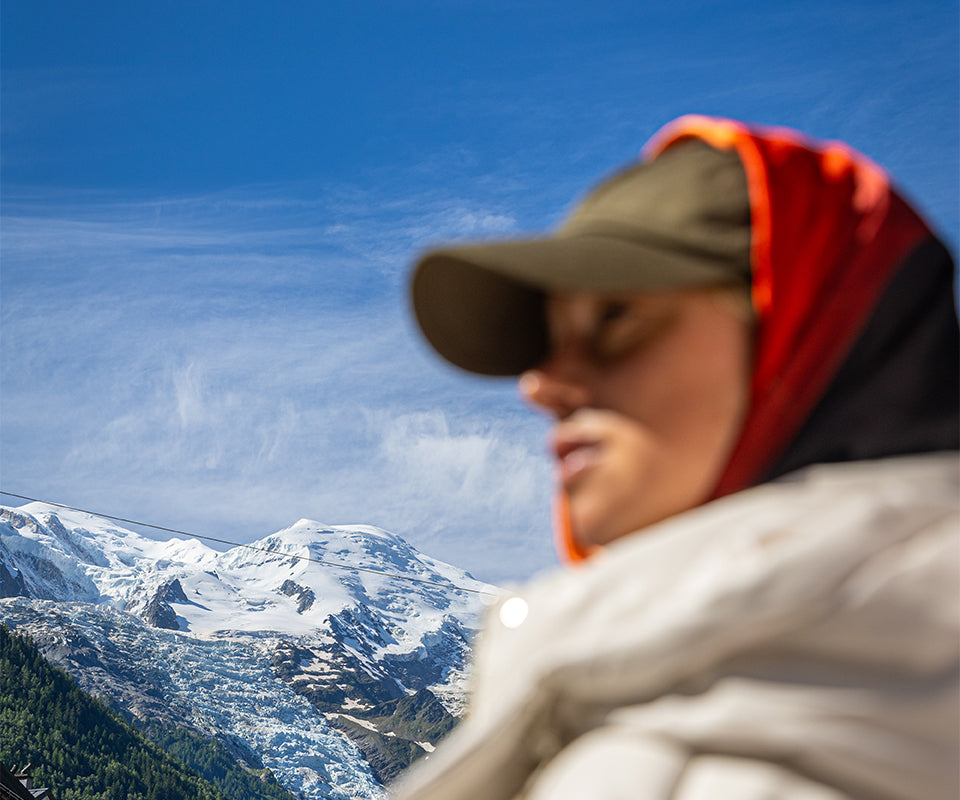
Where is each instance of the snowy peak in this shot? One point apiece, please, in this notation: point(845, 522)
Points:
point(89, 551)
point(290, 581)
point(344, 644)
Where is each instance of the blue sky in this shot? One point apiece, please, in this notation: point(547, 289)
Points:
point(209, 210)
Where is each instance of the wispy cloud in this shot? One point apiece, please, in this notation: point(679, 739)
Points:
point(228, 364)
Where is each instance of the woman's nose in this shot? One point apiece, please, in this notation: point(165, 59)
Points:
point(553, 391)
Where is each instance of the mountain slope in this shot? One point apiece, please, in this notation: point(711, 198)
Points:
point(81, 749)
point(289, 662)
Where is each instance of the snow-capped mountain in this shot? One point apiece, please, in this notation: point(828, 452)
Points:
point(295, 651)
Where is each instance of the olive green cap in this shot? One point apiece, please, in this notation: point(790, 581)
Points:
point(681, 220)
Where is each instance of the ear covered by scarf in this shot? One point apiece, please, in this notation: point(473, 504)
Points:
point(856, 333)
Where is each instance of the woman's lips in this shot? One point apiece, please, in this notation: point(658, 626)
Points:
point(574, 457)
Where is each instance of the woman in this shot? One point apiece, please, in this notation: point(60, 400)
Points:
point(749, 344)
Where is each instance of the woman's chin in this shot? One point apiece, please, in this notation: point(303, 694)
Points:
point(594, 525)
point(591, 529)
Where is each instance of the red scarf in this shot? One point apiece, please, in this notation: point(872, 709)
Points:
point(828, 233)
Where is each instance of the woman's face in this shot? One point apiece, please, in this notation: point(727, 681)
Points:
point(649, 392)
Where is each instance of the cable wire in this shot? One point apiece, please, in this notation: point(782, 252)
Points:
point(324, 563)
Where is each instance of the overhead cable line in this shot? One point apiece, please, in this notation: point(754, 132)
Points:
point(322, 562)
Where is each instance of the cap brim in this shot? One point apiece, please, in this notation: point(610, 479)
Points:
point(481, 306)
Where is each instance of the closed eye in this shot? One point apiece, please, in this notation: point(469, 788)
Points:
point(623, 328)
point(612, 311)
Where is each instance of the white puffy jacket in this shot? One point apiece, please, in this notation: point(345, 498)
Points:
point(798, 640)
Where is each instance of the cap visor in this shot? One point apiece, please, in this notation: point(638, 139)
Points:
point(481, 306)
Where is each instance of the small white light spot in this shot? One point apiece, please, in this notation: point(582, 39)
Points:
point(513, 612)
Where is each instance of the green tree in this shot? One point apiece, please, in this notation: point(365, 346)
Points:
point(81, 749)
